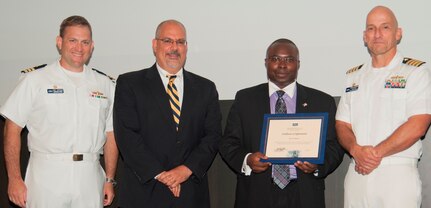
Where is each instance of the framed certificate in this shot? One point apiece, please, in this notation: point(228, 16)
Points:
point(287, 138)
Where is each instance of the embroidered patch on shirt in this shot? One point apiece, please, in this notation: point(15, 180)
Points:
point(396, 82)
point(55, 90)
point(354, 87)
point(97, 94)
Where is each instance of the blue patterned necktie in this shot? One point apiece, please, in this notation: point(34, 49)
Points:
point(282, 174)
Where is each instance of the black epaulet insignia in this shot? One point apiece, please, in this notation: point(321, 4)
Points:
point(412, 62)
point(356, 68)
point(102, 73)
point(32, 68)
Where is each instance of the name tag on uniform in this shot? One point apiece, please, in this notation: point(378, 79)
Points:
point(55, 91)
point(354, 87)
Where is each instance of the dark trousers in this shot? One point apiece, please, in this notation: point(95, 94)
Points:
point(285, 198)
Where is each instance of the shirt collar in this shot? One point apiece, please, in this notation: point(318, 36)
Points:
point(85, 68)
point(398, 58)
point(164, 73)
point(86, 71)
point(289, 89)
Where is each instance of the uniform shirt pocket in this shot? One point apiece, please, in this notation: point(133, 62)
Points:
point(99, 106)
point(58, 107)
point(396, 105)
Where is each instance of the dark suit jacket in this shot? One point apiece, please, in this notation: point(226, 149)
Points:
point(149, 143)
point(242, 135)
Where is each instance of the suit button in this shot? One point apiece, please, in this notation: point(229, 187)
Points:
point(178, 142)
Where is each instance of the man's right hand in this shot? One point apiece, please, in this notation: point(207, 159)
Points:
point(366, 159)
point(176, 190)
point(17, 191)
point(253, 160)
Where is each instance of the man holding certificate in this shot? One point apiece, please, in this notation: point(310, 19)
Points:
point(262, 183)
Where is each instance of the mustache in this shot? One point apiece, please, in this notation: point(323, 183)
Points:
point(173, 53)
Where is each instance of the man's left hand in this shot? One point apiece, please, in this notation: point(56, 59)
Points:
point(108, 192)
point(306, 167)
point(175, 177)
point(176, 191)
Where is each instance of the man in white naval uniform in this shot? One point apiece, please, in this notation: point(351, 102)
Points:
point(67, 108)
point(382, 115)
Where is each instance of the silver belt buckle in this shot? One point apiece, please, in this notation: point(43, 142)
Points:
point(78, 157)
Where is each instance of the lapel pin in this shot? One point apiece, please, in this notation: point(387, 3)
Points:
point(304, 104)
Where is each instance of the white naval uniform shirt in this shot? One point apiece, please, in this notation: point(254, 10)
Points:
point(377, 101)
point(60, 117)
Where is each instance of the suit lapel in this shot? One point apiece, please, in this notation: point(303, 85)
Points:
point(189, 99)
point(301, 99)
point(159, 94)
point(261, 105)
point(263, 100)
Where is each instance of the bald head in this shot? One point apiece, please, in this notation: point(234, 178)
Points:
point(281, 41)
point(382, 35)
point(382, 12)
point(169, 22)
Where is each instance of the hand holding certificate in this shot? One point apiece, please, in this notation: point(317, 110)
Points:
point(287, 138)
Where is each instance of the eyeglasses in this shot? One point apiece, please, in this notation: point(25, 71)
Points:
point(168, 41)
point(278, 59)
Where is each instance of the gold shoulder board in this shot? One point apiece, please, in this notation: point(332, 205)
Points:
point(356, 68)
point(32, 68)
point(102, 73)
point(413, 62)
